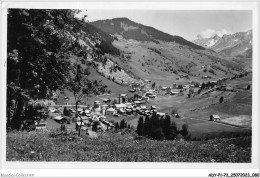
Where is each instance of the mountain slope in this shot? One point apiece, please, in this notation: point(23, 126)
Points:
point(132, 30)
point(151, 54)
point(239, 43)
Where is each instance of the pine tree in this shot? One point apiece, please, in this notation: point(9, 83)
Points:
point(140, 126)
point(122, 124)
point(125, 125)
point(162, 122)
point(156, 122)
point(174, 131)
point(167, 126)
point(152, 124)
point(199, 91)
point(117, 126)
point(174, 126)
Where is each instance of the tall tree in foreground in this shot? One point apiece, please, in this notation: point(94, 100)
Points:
point(81, 87)
point(39, 42)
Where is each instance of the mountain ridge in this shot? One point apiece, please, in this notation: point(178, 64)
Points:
point(229, 44)
point(132, 30)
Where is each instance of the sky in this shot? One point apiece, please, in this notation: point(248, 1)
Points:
point(187, 24)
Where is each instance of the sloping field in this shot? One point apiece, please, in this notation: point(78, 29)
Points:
point(115, 147)
point(163, 62)
point(240, 104)
point(115, 88)
point(201, 129)
point(242, 120)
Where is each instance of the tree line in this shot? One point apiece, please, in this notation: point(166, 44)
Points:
point(160, 128)
point(122, 125)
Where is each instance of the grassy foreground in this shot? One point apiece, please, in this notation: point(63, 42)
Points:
point(55, 146)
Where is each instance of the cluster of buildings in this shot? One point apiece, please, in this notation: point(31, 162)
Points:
point(127, 106)
point(88, 115)
point(123, 107)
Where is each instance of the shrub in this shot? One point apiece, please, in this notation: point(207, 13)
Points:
point(62, 127)
point(66, 112)
point(221, 99)
point(185, 130)
point(212, 71)
point(203, 85)
point(174, 111)
point(29, 116)
point(94, 126)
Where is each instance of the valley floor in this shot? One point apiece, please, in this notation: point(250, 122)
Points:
point(235, 112)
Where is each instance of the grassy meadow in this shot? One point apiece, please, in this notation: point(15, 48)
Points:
point(122, 147)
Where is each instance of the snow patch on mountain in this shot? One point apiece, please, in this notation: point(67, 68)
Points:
point(211, 42)
point(232, 44)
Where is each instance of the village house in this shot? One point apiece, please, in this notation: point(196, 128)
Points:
point(186, 86)
point(120, 106)
point(229, 88)
point(174, 92)
point(60, 119)
point(205, 77)
point(139, 103)
point(106, 100)
point(214, 117)
point(110, 111)
point(161, 114)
